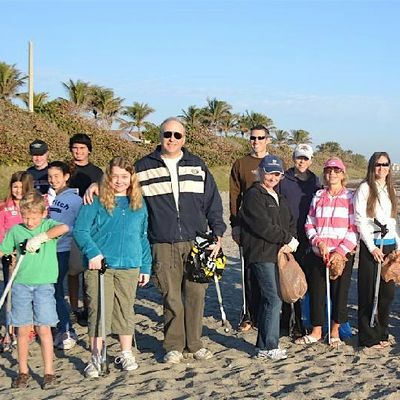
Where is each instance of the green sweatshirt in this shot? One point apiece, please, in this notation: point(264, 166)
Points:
point(36, 268)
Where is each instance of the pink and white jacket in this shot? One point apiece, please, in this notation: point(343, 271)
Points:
point(9, 216)
point(331, 220)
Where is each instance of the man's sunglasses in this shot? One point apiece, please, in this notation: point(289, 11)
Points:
point(336, 170)
point(382, 164)
point(257, 137)
point(168, 134)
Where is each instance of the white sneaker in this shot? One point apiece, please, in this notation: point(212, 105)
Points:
point(127, 361)
point(274, 354)
point(173, 357)
point(203, 354)
point(93, 368)
point(68, 341)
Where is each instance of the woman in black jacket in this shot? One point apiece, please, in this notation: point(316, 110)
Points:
point(267, 227)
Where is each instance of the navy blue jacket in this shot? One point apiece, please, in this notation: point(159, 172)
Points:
point(299, 194)
point(199, 206)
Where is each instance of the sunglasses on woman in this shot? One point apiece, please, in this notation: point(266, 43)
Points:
point(382, 164)
point(169, 134)
point(336, 170)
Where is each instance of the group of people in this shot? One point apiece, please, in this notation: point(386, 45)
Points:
point(273, 210)
point(141, 219)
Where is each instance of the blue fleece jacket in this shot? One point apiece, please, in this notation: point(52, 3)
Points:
point(121, 237)
point(299, 194)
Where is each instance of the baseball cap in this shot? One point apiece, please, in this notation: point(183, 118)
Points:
point(335, 162)
point(270, 164)
point(38, 148)
point(303, 150)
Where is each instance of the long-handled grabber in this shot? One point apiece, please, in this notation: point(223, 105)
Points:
point(8, 341)
point(221, 306)
point(14, 274)
point(244, 305)
point(103, 355)
point(383, 231)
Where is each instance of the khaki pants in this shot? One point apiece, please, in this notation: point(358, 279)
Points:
point(120, 293)
point(183, 299)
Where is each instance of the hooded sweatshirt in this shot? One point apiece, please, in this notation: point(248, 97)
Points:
point(64, 209)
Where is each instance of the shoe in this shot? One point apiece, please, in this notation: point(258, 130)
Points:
point(307, 339)
point(49, 382)
point(68, 341)
point(93, 368)
point(274, 354)
point(245, 326)
point(127, 361)
point(173, 357)
point(82, 317)
point(21, 381)
point(203, 354)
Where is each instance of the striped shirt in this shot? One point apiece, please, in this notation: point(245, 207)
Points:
point(331, 220)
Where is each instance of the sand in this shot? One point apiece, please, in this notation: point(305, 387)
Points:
point(314, 372)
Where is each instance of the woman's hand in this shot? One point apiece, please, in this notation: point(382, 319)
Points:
point(378, 254)
point(92, 190)
point(143, 279)
point(324, 251)
point(95, 262)
point(286, 249)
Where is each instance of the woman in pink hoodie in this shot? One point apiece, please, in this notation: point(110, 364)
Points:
point(21, 183)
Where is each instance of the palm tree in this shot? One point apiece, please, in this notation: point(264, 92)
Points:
point(331, 148)
point(138, 113)
point(39, 99)
point(104, 106)
point(255, 118)
point(229, 123)
point(215, 113)
point(298, 136)
point(192, 118)
point(281, 137)
point(78, 93)
point(10, 80)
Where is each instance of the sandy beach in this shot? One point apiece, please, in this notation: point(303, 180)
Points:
point(313, 372)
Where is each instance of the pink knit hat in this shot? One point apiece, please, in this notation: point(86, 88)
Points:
point(335, 162)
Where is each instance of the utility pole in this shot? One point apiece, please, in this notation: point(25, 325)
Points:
point(30, 76)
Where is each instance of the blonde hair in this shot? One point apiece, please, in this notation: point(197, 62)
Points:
point(33, 201)
point(107, 196)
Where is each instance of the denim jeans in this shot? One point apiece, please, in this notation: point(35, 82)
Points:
point(62, 308)
point(270, 305)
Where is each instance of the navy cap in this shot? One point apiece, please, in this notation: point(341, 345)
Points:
point(38, 148)
point(270, 164)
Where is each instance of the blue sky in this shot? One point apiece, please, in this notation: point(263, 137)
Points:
point(329, 67)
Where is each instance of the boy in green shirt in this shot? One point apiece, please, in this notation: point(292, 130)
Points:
point(32, 296)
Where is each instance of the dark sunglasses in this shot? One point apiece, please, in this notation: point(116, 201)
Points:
point(336, 170)
point(382, 164)
point(168, 134)
point(257, 137)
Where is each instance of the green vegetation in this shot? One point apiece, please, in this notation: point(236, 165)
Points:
point(214, 132)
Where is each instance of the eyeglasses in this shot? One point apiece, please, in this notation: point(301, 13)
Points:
point(382, 164)
point(257, 137)
point(168, 134)
point(336, 170)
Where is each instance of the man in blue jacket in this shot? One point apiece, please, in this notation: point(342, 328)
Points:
point(298, 187)
point(182, 199)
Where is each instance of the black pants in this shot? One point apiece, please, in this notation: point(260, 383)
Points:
point(367, 269)
point(252, 294)
point(317, 289)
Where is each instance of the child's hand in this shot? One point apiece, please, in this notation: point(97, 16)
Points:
point(95, 262)
point(33, 244)
point(143, 279)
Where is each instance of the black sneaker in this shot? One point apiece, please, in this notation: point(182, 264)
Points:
point(82, 317)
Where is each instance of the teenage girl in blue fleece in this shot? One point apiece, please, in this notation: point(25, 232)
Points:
point(114, 227)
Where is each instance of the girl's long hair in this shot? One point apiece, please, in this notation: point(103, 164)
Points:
point(373, 190)
point(107, 196)
point(27, 183)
